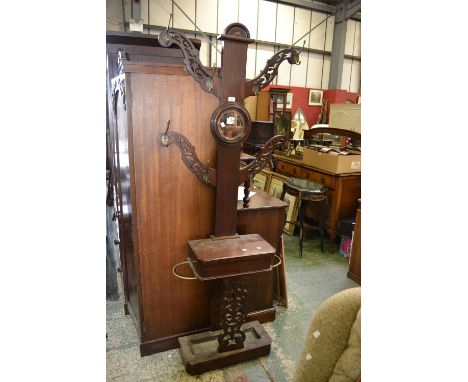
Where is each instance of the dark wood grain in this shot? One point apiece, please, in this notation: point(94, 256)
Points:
point(173, 205)
point(214, 258)
point(124, 176)
point(234, 58)
point(227, 180)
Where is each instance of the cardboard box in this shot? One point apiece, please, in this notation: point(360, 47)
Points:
point(345, 116)
point(336, 164)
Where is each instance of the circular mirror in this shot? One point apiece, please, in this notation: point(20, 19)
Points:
point(230, 124)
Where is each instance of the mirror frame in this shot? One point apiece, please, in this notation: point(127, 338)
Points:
point(215, 120)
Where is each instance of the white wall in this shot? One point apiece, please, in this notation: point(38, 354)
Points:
point(267, 21)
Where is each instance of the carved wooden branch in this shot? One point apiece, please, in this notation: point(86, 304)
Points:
point(270, 71)
point(204, 173)
point(263, 158)
point(118, 85)
point(192, 61)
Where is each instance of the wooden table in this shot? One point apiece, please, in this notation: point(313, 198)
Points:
point(344, 191)
point(307, 191)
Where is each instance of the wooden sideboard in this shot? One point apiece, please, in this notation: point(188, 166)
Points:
point(344, 191)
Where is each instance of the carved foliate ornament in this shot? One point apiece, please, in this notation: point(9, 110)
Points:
point(233, 315)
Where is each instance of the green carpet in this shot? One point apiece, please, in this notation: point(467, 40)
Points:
point(310, 281)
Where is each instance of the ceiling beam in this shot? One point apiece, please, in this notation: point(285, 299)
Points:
point(136, 9)
point(353, 8)
point(318, 7)
point(314, 6)
point(346, 10)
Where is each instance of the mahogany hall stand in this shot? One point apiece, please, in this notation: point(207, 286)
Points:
point(168, 198)
point(225, 257)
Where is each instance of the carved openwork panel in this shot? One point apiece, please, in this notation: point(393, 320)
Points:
point(263, 157)
point(232, 315)
point(270, 71)
point(118, 85)
point(189, 157)
point(192, 62)
point(121, 58)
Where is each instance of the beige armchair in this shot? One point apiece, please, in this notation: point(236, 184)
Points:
point(332, 350)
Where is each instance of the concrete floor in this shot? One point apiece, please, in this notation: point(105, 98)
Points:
point(310, 281)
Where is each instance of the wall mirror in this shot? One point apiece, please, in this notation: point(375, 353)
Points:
point(230, 124)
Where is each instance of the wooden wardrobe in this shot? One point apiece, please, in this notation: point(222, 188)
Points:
point(159, 204)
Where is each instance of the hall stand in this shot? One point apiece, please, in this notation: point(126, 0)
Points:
point(226, 257)
point(174, 206)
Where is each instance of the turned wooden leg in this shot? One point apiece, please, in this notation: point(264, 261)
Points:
point(323, 216)
point(301, 222)
point(246, 199)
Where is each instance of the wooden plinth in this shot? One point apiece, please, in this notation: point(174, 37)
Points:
point(199, 351)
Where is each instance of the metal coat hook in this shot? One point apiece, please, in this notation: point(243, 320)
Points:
point(303, 45)
point(299, 61)
point(165, 137)
point(214, 71)
point(169, 22)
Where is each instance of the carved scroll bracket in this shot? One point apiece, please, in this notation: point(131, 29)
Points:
point(118, 85)
point(204, 173)
point(121, 60)
point(263, 157)
point(270, 71)
point(208, 81)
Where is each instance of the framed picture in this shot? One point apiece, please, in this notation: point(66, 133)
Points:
point(261, 180)
point(291, 213)
point(315, 97)
point(282, 123)
point(289, 99)
point(275, 188)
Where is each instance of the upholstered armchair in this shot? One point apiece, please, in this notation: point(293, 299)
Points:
point(332, 350)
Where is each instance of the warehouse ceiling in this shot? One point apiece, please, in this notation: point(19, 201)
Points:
point(328, 6)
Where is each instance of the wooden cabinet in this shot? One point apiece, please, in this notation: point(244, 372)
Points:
point(289, 169)
point(327, 180)
point(160, 205)
point(344, 190)
point(354, 272)
point(266, 216)
point(271, 101)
